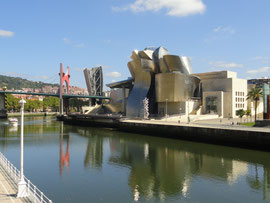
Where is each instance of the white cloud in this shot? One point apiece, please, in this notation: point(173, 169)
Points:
point(81, 45)
point(72, 43)
point(178, 8)
point(222, 64)
point(107, 41)
point(66, 40)
point(41, 77)
point(259, 70)
point(27, 76)
point(6, 33)
point(224, 30)
point(219, 33)
point(14, 74)
point(103, 66)
point(262, 59)
point(114, 74)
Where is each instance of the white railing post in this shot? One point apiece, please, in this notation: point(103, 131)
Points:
point(41, 197)
point(28, 186)
point(35, 193)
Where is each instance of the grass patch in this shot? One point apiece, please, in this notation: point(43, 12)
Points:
point(250, 124)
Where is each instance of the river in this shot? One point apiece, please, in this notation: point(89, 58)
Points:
point(83, 164)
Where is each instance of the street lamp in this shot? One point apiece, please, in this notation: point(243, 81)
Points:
point(166, 110)
point(188, 111)
point(180, 109)
point(22, 189)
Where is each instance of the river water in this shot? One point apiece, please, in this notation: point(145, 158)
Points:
point(83, 164)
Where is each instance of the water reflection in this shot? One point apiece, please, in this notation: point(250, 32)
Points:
point(160, 168)
point(64, 158)
point(135, 168)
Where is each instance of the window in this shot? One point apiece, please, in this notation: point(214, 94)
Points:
point(211, 104)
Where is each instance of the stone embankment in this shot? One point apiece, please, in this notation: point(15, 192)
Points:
point(209, 132)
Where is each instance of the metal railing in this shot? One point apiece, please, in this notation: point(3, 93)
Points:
point(35, 194)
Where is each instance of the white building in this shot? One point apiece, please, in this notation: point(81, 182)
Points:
point(223, 93)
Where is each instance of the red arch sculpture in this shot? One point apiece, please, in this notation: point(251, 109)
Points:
point(64, 78)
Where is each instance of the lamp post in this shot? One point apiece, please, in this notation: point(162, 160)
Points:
point(22, 189)
point(180, 109)
point(188, 111)
point(166, 109)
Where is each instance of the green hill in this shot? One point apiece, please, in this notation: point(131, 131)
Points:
point(19, 83)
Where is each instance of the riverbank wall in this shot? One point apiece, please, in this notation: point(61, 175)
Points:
point(27, 114)
point(237, 136)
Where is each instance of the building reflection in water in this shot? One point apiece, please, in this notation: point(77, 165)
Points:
point(160, 170)
point(64, 158)
point(94, 151)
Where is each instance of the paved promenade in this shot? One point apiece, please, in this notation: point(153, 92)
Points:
point(211, 123)
point(8, 189)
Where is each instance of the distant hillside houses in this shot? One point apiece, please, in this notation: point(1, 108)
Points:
point(16, 84)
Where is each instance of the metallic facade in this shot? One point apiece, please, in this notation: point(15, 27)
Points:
point(159, 77)
point(176, 87)
point(94, 81)
point(142, 82)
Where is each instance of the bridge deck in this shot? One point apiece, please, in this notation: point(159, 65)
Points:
point(8, 189)
point(55, 95)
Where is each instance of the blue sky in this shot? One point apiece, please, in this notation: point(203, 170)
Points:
point(36, 35)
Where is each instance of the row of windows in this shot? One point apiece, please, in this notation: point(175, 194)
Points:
point(240, 99)
point(239, 94)
point(240, 105)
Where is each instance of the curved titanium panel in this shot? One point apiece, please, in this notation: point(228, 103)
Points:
point(162, 66)
point(148, 66)
point(174, 63)
point(175, 86)
point(142, 82)
point(146, 54)
point(157, 55)
point(131, 69)
point(186, 63)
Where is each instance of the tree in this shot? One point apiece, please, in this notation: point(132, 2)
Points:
point(254, 95)
point(51, 102)
point(76, 104)
point(12, 103)
point(240, 113)
point(248, 113)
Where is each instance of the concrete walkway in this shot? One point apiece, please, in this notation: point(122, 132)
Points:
point(211, 123)
point(8, 189)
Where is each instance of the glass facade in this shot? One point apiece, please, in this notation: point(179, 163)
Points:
point(211, 104)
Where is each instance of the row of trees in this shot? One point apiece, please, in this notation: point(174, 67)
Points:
point(48, 103)
point(242, 112)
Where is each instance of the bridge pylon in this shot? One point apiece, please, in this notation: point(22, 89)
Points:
point(64, 78)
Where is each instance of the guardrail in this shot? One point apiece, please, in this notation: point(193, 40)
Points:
point(35, 194)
